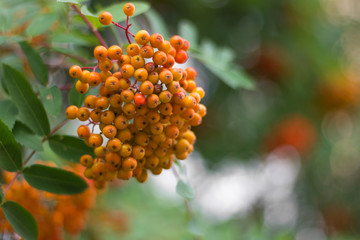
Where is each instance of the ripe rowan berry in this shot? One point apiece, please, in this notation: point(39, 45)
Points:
point(139, 99)
point(107, 117)
point(146, 51)
point(142, 37)
point(165, 96)
point(137, 61)
point(127, 96)
point(151, 162)
point(137, 171)
point(94, 79)
point(95, 140)
point(109, 131)
point(114, 52)
point(100, 151)
point(86, 160)
point(153, 77)
point(83, 114)
point(171, 131)
point(81, 87)
point(129, 9)
point(156, 40)
point(112, 83)
point(156, 128)
point(83, 131)
point(114, 145)
point(127, 71)
point(105, 18)
point(133, 49)
point(102, 103)
point(90, 101)
point(146, 88)
point(71, 112)
point(125, 59)
point(126, 150)
point(191, 73)
point(142, 177)
point(177, 42)
point(181, 56)
point(129, 109)
point(95, 115)
point(152, 101)
point(140, 74)
point(121, 122)
point(75, 71)
point(124, 83)
point(129, 164)
point(105, 64)
point(160, 58)
point(150, 66)
point(173, 87)
point(124, 175)
point(100, 52)
point(186, 45)
point(84, 76)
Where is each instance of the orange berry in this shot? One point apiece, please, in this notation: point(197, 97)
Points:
point(127, 96)
point(142, 177)
point(95, 140)
point(109, 131)
point(141, 74)
point(84, 76)
point(152, 101)
point(171, 131)
point(86, 160)
point(112, 83)
point(105, 64)
point(105, 92)
point(186, 45)
point(166, 76)
point(100, 52)
point(127, 71)
point(133, 49)
point(95, 115)
point(107, 117)
point(165, 108)
point(142, 139)
point(129, 109)
point(124, 83)
point(138, 152)
point(115, 52)
point(83, 114)
point(125, 59)
point(181, 56)
point(174, 87)
point(139, 99)
point(129, 164)
point(124, 175)
point(189, 102)
point(124, 135)
point(153, 77)
point(90, 101)
point(160, 58)
point(191, 86)
point(102, 103)
point(126, 150)
point(115, 101)
point(191, 73)
point(94, 79)
point(146, 88)
point(81, 87)
point(152, 162)
point(129, 9)
point(146, 51)
point(156, 40)
point(114, 145)
point(100, 151)
point(105, 18)
point(170, 61)
point(121, 122)
point(137, 61)
point(150, 66)
point(142, 37)
point(165, 47)
point(83, 131)
point(177, 42)
point(75, 71)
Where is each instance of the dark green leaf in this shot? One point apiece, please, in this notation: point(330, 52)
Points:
point(21, 220)
point(184, 190)
point(36, 63)
point(54, 180)
point(52, 99)
point(1, 194)
point(41, 24)
point(10, 152)
point(68, 147)
point(8, 112)
point(157, 24)
point(31, 111)
point(26, 137)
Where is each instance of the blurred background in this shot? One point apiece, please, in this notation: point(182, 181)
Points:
point(277, 156)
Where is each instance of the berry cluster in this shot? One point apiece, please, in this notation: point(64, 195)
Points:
point(145, 107)
point(53, 213)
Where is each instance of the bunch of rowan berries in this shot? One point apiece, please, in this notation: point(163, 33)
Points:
point(53, 213)
point(145, 107)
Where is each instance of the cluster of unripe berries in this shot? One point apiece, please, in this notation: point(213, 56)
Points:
point(145, 107)
point(54, 213)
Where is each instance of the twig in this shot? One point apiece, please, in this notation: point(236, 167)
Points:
point(91, 26)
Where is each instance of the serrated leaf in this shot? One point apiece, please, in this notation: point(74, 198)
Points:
point(26, 137)
point(36, 63)
point(8, 112)
point(52, 99)
point(54, 180)
point(10, 152)
point(31, 111)
point(188, 31)
point(41, 24)
point(156, 23)
point(68, 147)
point(21, 220)
point(184, 190)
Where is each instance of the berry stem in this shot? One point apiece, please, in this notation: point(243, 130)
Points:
point(93, 29)
point(124, 28)
point(82, 68)
point(60, 125)
point(127, 29)
point(65, 87)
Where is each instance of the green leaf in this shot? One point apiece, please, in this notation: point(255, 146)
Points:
point(41, 24)
point(26, 137)
point(36, 63)
point(21, 220)
point(73, 38)
point(8, 112)
point(231, 75)
point(184, 190)
point(5, 20)
point(156, 23)
point(68, 147)
point(52, 99)
point(1, 194)
point(77, 99)
point(10, 152)
point(70, 1)
point(188, 31)
point(54, 180)
point(31, 111)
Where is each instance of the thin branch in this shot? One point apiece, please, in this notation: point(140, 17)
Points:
point(91, 26)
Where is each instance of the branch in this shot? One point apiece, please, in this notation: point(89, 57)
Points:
point(91, 26)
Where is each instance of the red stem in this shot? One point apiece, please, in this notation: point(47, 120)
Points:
point(124, 28)
point(93, 29)
point(11, 183)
